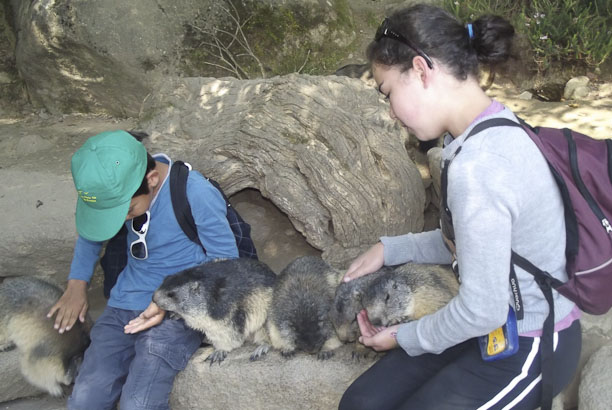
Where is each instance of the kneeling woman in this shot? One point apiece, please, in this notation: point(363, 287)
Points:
point(502, 197)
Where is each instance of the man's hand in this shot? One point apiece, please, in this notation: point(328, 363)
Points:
point(368, 262)
point(378, 338)
point(72, 305)
point(151, 316)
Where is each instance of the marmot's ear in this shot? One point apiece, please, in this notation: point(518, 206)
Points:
point(357, 294)
point(193, 286)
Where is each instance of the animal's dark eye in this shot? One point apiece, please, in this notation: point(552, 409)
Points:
point(171, 295)
point(395, 286)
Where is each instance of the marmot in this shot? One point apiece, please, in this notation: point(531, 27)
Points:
point(348, 302)
point(360, 71)
point(227, 300)
point(299, 316)
point(48, 358)
point(409, 292)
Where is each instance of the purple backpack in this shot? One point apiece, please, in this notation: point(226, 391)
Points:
point(582, 167)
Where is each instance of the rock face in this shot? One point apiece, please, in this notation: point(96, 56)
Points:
point(322, 149)
point(37, 195)
point(13, 96)
point(273, 383)
point(104, 57)
point(596, 386)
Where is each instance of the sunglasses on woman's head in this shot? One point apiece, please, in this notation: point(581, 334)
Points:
point(384, 30)
point(140, 226)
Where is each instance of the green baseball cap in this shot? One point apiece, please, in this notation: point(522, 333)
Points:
point(107, 170)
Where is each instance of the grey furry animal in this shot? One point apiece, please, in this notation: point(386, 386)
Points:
point(360, 71)
point(227, 300)
point(299, 316)
point(348, 302)
point(391, 296)
point(48, 359)
point(408, 293)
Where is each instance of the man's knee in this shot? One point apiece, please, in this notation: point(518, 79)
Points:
point(140, 401)
point(86, 396)
point(152, 375)
point(148, 391)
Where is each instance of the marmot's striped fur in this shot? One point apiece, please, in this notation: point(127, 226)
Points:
point(226, 300)
point(299, 318)
point(48, 359)
point(408, 293)
point(392, 295)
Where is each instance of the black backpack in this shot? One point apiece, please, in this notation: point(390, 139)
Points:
point(115, 254)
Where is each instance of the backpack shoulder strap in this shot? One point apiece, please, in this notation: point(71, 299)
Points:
point(492, 122)
point(178, 194)
point(495, 122)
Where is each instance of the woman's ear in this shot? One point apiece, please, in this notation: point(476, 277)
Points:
point(422, 70)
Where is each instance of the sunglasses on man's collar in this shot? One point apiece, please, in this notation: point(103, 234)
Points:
point(384, 30)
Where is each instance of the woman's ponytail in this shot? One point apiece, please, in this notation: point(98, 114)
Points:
point(492, 39)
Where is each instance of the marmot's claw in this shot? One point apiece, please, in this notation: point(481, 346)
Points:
point(216, 356)
point(325, 355)
point(260, 352)
point(363, 354)
point(287, 355)
point(7, 347)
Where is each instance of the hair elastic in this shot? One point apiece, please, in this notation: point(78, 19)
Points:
point(470, 30)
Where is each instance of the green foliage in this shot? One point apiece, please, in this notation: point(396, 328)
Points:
point(372, 19)
point(468, 10)
point(569, 31)
point(560, 32)
point(283, 37)
point(261, 39)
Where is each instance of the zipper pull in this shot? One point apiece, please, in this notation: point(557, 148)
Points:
point(606, 224)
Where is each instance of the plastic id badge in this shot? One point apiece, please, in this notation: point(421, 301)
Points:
point(502, 342)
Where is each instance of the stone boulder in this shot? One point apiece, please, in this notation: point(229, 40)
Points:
point(323, 149)
point(12, 92)
point(106, 56)
point(595, 391)
point(37, 195)
point(272, 383)
point(576, 88)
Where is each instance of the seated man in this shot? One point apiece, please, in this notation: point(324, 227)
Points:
point(135, 351)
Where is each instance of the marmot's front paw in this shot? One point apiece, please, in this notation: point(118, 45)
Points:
point(216, 356)
point(362, 352)
point(260, 352)
point(324, 355)
point(5, 347)
point(287, 354)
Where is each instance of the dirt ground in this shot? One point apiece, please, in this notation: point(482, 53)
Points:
point(276, 239)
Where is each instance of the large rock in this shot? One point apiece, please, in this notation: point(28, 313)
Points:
point(37, 195)
point(323, 149)
point(273, 383)
point(105, 56)
point(596, 385)
point(12, 93)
